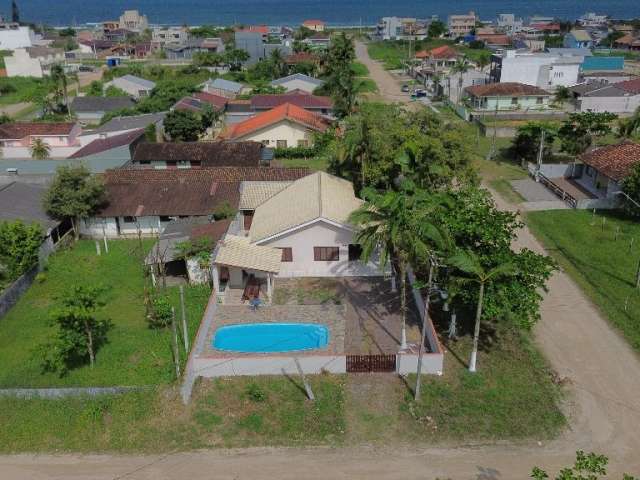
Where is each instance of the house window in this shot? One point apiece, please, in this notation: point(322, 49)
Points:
point(287, 254)
point(326, 254)
point(514, 101)
point(165, 218)
point(539, 100)
point(265, 143)
point(248, 219)
point(303, 143)
point(589, 171)
point(281, 144)
point(129, 219)
point(355, 252)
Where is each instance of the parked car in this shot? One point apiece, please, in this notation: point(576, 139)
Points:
point(86, 68)
point(420, 92)
point(405, 88)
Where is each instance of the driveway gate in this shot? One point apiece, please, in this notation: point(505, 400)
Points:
point(371, 363)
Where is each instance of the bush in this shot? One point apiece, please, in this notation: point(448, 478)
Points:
point(41, 277)
point(224, 211)
point(295, 152)
point(256, 393)
point(159, 312)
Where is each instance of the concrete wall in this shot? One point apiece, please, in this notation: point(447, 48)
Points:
point(609, 104)
point(131, 88)
point(432, 363)
point(93, 227)
point(20, 64)
point(543, 71)
point(269, 365)
point(320, 234)
point(13, 38)
point(25, 152)
point(291, 132)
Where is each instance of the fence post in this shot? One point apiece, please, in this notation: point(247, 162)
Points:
point(174, 338)
point(184, 321)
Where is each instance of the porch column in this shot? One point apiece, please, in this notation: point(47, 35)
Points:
point(269, 286)
point(216, 278)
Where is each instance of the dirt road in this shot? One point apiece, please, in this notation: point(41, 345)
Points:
point(603, 404)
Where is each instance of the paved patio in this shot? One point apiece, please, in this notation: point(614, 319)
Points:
point(533, 191)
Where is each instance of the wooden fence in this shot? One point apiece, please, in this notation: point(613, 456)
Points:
point(371, 363)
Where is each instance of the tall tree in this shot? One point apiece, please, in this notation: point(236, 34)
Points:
point(579, 130)
point(183, 126)
point(340, 76)
point(461, 67)
point(15, 13)
point(60, 85)
point(74, 193)
point(39, 149)
point(470, 264)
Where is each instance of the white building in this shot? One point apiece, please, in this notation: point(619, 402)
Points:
point(132, 20)
point(32, 61)
point(509, 24)
point(461, 25)
point(135, 86)
point(13, 36)
point(544, 70)
point(298, 81)
point(174, 35)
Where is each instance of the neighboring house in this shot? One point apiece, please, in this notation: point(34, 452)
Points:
point(186, 49)
point(437, 59)
point(461, 25)
point(118, 35)
point(255, 44)
point(90, 110)
point(544, 70)
point(135, 86)
point(119, 125)
point(599, 96)
point(201, 154)
point(454, 84)
point(222, 87)
point(315, 25)
point(299, 230)
point(145, 201)
point(319, 40)
point(282, 127)
point(16, 138)
point(199, 100)
point(162, 36)
point(507, 96)
point(32, 61)
point(314, 103)
point(578, 39)
point(133, 21)
point(96, 47)
point(628, 42)
point(607, 76)
point(238, 111)
point(605, 168)
point(13, 35)
point(301, 57)
point(509, 24)
point(115, 150)
point(389, 28)
point(494, 41)
point(298, 81)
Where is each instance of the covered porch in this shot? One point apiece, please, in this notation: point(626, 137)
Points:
point(243, 272)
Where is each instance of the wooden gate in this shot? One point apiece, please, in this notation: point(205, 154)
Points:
point(371, 363)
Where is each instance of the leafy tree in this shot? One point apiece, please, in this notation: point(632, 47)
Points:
point(611, 39)
point(67, 32)
point(200, 249)
point(59, 81)
point(631, 186)
point(151, 133)
point(461, 67)
point(278, 62)
point(224, 211)
point(470, 264)
point(235, 57)
point(74, 193)
point(159, 312)
point(207, 59)
point(183, 126)
point(476, 44)
point(209, 116)
point(113, 91)
point(436, 29)
point(80, 333)
point(19, 247)
point(40, 150)
point(588, 466)
point(562, 94)
point(628, 127)
point(95, 89)
point(577, 132)
point(526, 143)
point(205, 31)
point(4, 118)
point(340, 79)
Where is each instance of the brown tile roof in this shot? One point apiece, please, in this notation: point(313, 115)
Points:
point(614, 161)
point(271, 117)
point(193, 192)
point(209, 154)
point(445, 51)
point(103, 144)
point(19, 130)
point(630, 86)
point(512, 89)
point(301, 57)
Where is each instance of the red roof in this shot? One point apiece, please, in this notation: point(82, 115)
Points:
point(495, 39)
point(511, 89)
point(216, 101)
point(307, 23)
point(301, 57)
point(198, 100)
point(630, 86)
point(614, 161)
point(262, 102)
point(104, 144)
point(287, 111)
point(18, 130)
point(546, 26)
point(442, 52)
point(254, 28)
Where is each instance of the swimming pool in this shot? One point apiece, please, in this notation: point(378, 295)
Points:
point(271, 337)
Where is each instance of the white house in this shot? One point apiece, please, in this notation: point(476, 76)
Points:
point(13, 36)
point(298, 81)
point(284, 126)
point(544, 70)
point(301, 229)
point(135, 86)
point(32, 61)
point(599, 96)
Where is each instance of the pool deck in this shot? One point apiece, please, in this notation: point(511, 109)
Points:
point(332, 316)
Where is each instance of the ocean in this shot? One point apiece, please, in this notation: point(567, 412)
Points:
point(292, 12)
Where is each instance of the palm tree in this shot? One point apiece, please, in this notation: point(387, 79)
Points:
point(461, 67)
point(469, 263)
point(630, 126)
point(60, 84)
point(278, 62)
point(40, 150)
point(396, 225)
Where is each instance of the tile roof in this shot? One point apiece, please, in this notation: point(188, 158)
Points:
point(222, 84)
point(254, 28)
point(512, 89)
point(137, 80)
point(209, 154)
point(315, 196)
point(313, 22)
point(445, 51)
point(129, 123)
point(23, 201)
point(253, 194)
point(100, 145)
point(199, 100)
point(614, 161)
point(303, 100)
point(238, 252)
point(212, 99)
point(298, 76)
point(581, 35)
point(100, 104)
point(271, 117)
point(630, 86)
point(301, 57)
point(18, 130)
point(140, 192)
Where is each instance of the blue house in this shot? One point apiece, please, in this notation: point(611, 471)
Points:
point(578, 39)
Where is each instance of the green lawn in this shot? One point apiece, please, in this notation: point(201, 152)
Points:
point(134, 354)
point(359, 69)
point(17, 89)
point(605, 268)
point(315, 163)
point(230, 412)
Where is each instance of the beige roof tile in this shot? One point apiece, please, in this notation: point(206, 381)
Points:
point(253, 194)
point(236, 251)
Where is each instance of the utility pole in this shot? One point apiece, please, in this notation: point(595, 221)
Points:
point(540, 154)
point(425, 317)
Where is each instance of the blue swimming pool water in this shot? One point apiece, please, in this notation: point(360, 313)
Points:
point(271, 337)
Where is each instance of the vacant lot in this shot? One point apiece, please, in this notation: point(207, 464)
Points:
point(394, 53)
point(18, 89)
point(134, 354)
point(601, 252)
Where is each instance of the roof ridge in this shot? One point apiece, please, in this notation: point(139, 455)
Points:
point(319, 194)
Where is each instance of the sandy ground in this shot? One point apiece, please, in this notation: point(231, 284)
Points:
point(603, 376)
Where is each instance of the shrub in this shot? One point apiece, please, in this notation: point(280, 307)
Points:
point(256, 393)
point(159, 312)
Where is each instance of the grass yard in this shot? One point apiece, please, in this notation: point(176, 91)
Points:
point(604, 267)
point(18, 89)
point(230, 412)
point(134, 354)
point(320, 162)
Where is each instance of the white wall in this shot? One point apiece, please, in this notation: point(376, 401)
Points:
point(298, 84)
point(285, 130)
point(320, 234)
point(131, 88)
point(268, 365)
point(25, 152)
point(92, 227)
point(21, 37)
point(20, 64)
point(543, 71)
point(610, 104)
